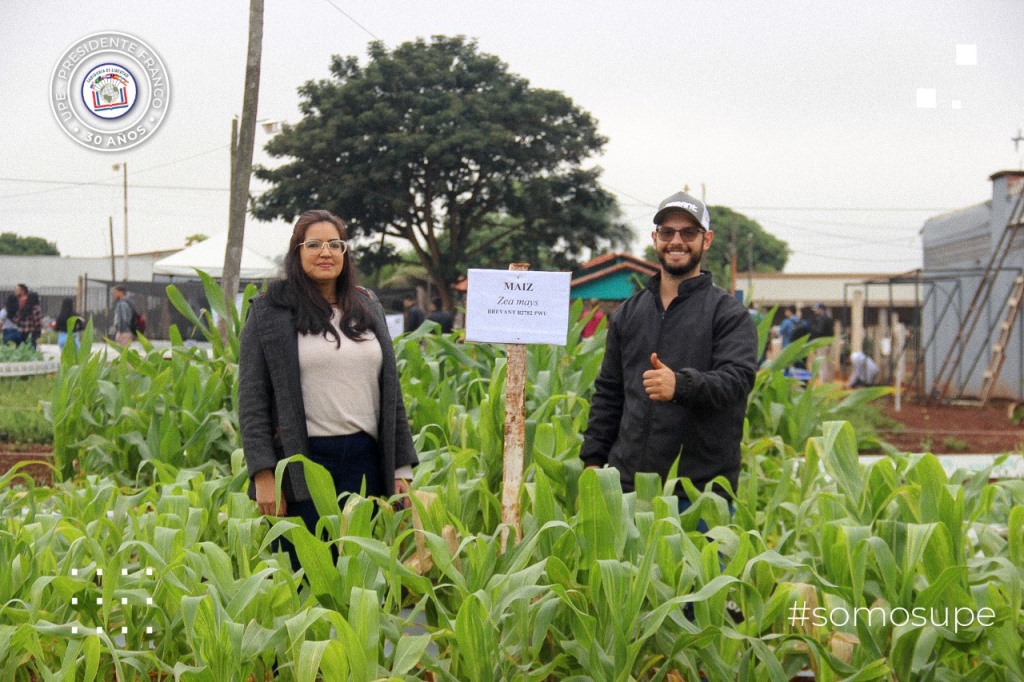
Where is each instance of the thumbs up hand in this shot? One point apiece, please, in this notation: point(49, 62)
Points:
point(660, 381)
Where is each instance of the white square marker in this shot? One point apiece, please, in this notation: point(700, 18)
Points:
point(149, 601)
point(966, 55)
point(99, 630)
point(99, 571)
point(99, 600)
point(149, 630)
point(74, 571)
point(124, 600)
point(124, 571)
point(124, 630)
point(74, 601)
point(956, 104)
point(926, 98)
point(149, 571)
point(74, 629)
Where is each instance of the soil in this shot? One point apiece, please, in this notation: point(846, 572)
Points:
point(13, 454)
point(953, 429)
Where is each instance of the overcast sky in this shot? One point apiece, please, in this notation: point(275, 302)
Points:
point(776, 109)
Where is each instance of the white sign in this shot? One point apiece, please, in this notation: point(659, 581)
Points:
point(517, 306)
point(396, 323)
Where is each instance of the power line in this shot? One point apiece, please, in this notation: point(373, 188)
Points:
point(824, 209)
point(834, 209)
point(352, 19)
point(112, 182)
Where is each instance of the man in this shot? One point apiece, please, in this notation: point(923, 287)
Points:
point(863, 371)
point(124, 314)
point(788, 325)
point(822, 323)
point(680, 360)
point(413, 314)
point(441, 316)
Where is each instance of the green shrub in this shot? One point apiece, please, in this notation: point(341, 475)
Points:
point(21, 417)
point(23, 352)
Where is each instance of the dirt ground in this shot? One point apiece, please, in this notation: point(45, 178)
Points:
point(12, 454)
point(953, 429)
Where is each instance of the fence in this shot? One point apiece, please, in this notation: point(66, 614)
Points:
point(93, 299)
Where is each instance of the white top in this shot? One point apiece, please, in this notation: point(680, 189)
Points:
point(864, 369)
point(340, 385)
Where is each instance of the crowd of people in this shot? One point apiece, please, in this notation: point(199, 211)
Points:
point(22, 317)
point(22, 320)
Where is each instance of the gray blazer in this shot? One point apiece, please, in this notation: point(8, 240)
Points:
point(270, 408)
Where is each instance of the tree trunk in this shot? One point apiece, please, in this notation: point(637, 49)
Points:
point(241, 157)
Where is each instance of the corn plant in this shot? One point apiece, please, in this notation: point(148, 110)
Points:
point(175, 406)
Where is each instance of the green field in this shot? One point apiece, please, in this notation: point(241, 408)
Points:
point(21, 420)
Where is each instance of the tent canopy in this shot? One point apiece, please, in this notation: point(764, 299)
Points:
point(208, 256)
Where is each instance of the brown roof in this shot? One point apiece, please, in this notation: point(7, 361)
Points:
point(646, 269)
point(609, 257)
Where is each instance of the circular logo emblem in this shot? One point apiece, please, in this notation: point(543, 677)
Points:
point(110, 91)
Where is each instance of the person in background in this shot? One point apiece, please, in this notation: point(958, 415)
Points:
point(592, 309)
point(21, 292)
point(8, 315)
point(863, 371)
point(67, 311)
point(413, 315)
point(822, 323)
point(124, 313)
point(787, 325)
point(680, 361)
point(318, 377)
point(30, 319)
point(441, 316)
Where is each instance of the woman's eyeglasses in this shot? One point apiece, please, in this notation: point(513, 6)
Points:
point(317, 245)
point(688, 234)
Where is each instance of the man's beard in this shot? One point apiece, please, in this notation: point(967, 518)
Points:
point(679, 271)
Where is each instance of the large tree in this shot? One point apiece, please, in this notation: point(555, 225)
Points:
point(750, 240)
point(438, 144)
point(12, 244)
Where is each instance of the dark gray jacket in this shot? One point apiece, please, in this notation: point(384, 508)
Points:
point(271, 413)
point(710, 340)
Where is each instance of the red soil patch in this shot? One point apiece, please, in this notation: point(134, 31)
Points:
point(953, 429)
point(11, 455)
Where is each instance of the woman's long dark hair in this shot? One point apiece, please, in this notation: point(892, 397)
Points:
point(311, 310)
point(67, 309)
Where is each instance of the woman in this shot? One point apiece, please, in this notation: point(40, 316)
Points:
point(317, 376)
point(30, 320)
point(8, 315)
point(61, 325)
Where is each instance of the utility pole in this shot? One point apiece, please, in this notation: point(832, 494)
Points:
point(124, 167)
point(732, 263)
point(750, 266)
point(113, 270)
point(242, 142)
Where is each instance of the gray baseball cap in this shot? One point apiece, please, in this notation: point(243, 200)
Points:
point(681, 202)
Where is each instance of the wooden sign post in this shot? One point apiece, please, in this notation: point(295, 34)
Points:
point(515, 434)
point(516, 307)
